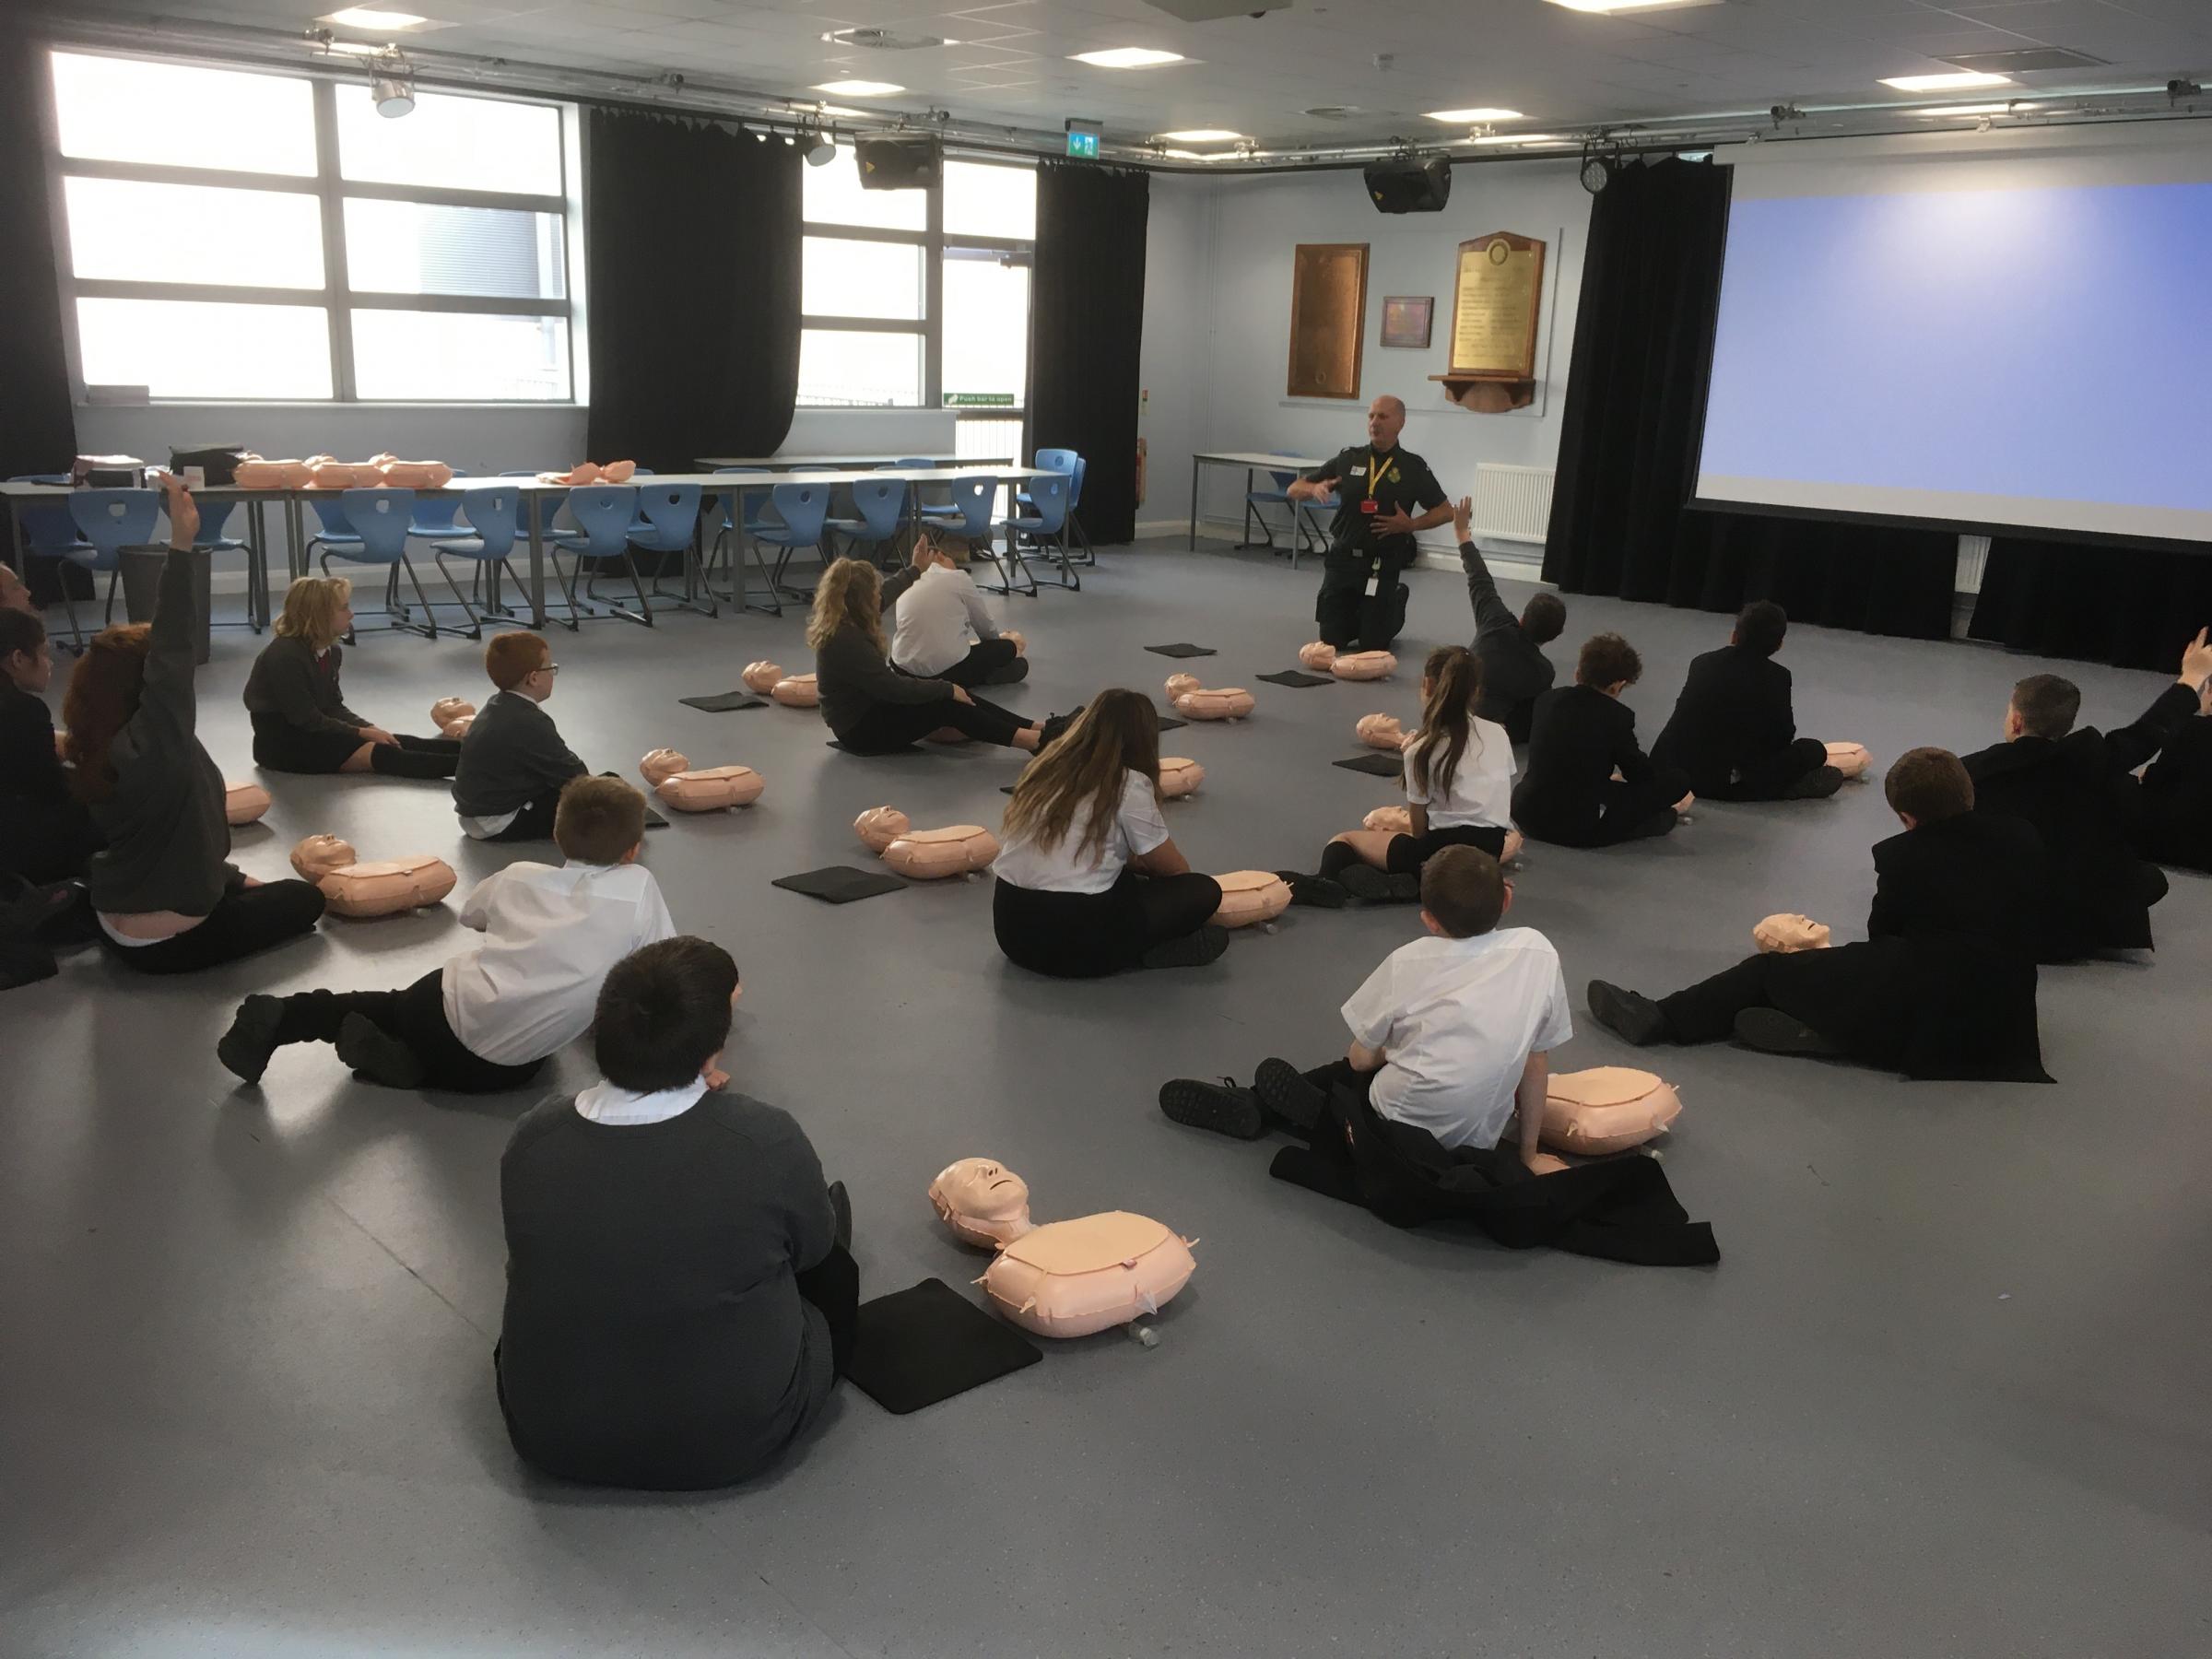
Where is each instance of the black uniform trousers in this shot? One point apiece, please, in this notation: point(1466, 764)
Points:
point(1344, 611)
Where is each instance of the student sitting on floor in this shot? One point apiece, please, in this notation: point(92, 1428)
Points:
point(45, 832)
point(490, 1018)
point(1459, 786)
point(1582, 735)
point(873, 707)
point(2177, 793)
point(1733, 733)
point(936, 605)
point(1089, 882)
point(1452, 1035)
point(513, 765)
point(301, 720)
point(168, 899)
point(1943, 985)
point(1515, 672)
point(680, 1292)
point(2073, 787)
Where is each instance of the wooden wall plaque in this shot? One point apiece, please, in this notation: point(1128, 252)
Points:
point(1328, 319)
point(1495, 301)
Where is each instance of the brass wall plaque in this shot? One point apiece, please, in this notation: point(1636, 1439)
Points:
point(1328, 318)
point(1496, 298)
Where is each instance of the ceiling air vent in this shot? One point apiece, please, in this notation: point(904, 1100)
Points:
point(1333, 112)
point(2025, 60)
point(882, 40)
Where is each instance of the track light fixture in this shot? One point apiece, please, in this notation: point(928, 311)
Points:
point(392, 87)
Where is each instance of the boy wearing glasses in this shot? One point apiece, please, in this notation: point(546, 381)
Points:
point(1451, 1036)
point(514, 764)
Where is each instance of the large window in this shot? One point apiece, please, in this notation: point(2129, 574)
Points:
point(236, 235)
point(921, 298)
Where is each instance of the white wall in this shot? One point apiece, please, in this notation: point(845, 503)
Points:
point(1217, 320)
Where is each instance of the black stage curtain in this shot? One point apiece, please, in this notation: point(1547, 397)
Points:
point(37, 424)
point(1628, 460)
point(1086, 311)
point(2133, 606)
point(692, 238)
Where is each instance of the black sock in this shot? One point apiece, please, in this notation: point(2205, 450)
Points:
point(395, 762)
point(431, 745)
point(1336, 858)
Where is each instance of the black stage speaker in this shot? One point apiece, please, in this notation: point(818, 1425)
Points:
point(900, 163)
point(1410, 183)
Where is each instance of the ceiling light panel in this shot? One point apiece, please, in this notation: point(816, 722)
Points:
point(370, 16)
point(1128, 57)
point(1203, 136)
point(1469, 117)
point(860, 88)
point(1959, 80)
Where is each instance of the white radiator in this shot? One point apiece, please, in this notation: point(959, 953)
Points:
point(1513, 503)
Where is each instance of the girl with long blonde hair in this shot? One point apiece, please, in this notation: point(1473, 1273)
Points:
point(1090, 882)
point(1459, 786)
point(301, 720)
point(872, 706)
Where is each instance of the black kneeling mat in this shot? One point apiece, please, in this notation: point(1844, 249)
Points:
point(914, 1348)
point(1181, 650)
point(722, 702)
point(1377, 765)
point(841, 884)
point(1299, 677)
point(1168, 723)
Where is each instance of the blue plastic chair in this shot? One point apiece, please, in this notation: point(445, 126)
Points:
point(881, 504)
point(434, 513)
point(494, 512)
point(1045, 522)
point(1066, 460)
point(969, 512)
point(49, 533)
point(667, 522)
point(804, 510)
point(338, 533)
point(378, 522)
point(603, 513)
point(111, 521)
point(742, 513)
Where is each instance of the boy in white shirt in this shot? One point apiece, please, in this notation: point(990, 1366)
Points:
point(935, 612)
point(487, 1020)
point(1451, 1035)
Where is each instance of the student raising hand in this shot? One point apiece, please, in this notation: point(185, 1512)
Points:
point(2196, 661)
point(183, 511)
point(1463, 519)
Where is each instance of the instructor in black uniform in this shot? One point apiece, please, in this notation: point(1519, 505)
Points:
point(1362, 603)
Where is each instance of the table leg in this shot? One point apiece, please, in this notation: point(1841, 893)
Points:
point(1193, 504)
point(537, 559)
point(257, 563)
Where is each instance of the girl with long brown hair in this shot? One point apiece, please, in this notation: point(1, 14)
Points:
point(874, 708)
point(301, 720)
point(1459, 786)
point(167, 896)
point(1090, 882)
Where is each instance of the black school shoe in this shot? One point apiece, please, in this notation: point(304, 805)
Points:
point(1283, 1091)
point(1221, 1107)
point(1192, 950)
point(1049, 732)
point(1816, 785)
point(1370, 886)
point(1771, 1031)
point(1314, 889)
point(1634, 1017)
point(376, 1056)
point(245, 1048)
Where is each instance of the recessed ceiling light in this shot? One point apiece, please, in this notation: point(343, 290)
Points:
point(1622, 6)
point(1989, 109)
point(1957, 80)
point(1127, 57)
point(1520, 139)
point(369, 16)
point(1204, 135)
point(861, 89)
point(1469, 117)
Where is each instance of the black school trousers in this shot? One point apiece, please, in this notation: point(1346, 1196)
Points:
point(1087, 936)
point(887, 727)
point(1407, 853)
point(1626, 812)
point(984, 658)
point(244, 920)
point(831, 1287)
point(414, 1017)
point(45, 840)
point(1344, 612)
point(279, 745)
point(1769, 777)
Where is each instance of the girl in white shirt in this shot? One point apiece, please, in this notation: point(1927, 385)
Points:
point(1459, 788)
point(1090, 882)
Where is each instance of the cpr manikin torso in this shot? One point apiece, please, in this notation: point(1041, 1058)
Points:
point(1179, 777)
point(796, 691)
point(244, 803)
point(383, 887)
point(1250, 896)
point(1850, 759)
point(924, 854)
point(1193, 701)
point(1606, 1109)
point(702, 788)
point(1363, 665)
point(1068, 1278)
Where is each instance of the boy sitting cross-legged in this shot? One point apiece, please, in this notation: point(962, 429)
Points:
point(488, 1019)
point(1451, 1035)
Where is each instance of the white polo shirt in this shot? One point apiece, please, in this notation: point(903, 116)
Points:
point(550, 937)
point(933, 618)
point(1458, 1019)
point(1138, 828)
point(1481, 795)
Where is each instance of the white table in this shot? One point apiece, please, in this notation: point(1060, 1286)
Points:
point(785, 462)
point(1252, 460)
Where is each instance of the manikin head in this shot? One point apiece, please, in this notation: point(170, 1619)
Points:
point(1926, 786)
point(1385, 420)
point(982, 1201)
point(24, 657)
point(2042, 705)
point(523, 664)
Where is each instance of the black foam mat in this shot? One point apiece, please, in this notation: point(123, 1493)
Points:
point(1376, 765)
point(1298, 676)
point(1181, 650)
point(840, 884)
point(917, 1346)
point(722, 702)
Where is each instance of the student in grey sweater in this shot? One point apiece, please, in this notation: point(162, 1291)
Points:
point(301, 720)
point(168, 899)
point(1515, 672)
point(680, 1294)
point(871, 707)
point(514, 763)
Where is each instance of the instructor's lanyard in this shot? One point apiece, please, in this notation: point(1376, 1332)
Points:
point(1377, 468)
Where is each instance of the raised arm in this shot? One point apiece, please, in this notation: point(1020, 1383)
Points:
point(174, 644)
point(2131, 746)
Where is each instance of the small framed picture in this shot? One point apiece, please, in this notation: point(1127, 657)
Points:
point(1406, 319)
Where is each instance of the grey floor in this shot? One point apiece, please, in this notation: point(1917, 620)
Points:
point(1943, 1394)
